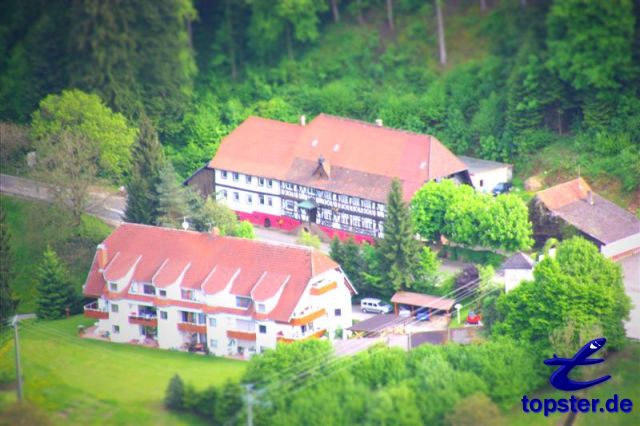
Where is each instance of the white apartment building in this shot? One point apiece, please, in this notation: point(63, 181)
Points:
point(227, 296)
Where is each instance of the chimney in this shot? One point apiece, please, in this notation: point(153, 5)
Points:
point(590, 197)
point(303, 120)
point(379, 122)
point(101, 253)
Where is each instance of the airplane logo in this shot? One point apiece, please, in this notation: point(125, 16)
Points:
point(560, 378)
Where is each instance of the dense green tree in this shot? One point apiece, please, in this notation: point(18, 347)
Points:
point(399, 251)
point(218, 215)
point(475, 410)
point(306, 238)
point(534, 310)
point(55, 293)
point(148, 160)
point(86, 115)
point(175, 201)
point(7, 301)
point(136, 55)
point(244, 229)
point(174, 395)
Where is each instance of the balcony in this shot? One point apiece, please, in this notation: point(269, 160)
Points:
point(191, 327)
point(323, 288)
point(144, 320)
point(308, 317)
point(93, 311)
point(241, 335)
point(300, 337)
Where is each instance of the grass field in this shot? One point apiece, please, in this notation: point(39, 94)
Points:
point(35, 224)
point(81, 381)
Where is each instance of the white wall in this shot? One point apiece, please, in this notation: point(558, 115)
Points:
point(245, 189)
point(487, 180)
point(629, 243)
point(513, 277)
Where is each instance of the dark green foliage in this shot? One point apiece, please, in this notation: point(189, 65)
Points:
point(8, 302)
point(176, 203)
point(142, 191)
point(175, 394)
point(55, 293)
point(230, 401)
point(398, 251)
point(533, 310)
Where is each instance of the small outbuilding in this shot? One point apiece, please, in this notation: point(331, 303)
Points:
point(486, 174)
point(415, 301)
point(516, 269)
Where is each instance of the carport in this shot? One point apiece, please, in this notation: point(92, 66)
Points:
point(377, 324)
point(415, 301)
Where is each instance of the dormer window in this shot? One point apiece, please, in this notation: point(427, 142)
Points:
point(186, 294)
point(261, 307)
point(243, 302)
point(113, 287)
point(149, 289)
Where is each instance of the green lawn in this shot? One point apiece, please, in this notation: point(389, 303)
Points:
point(81, 381)
point(35, 224)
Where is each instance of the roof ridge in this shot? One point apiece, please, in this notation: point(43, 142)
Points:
point(374, 125)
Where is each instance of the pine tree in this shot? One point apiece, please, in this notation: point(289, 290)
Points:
point(174, 396)
point(55, 294)
point(7, 301)
point(143, 198)
point(335, 250)
point(399, 251)
point(173, 199)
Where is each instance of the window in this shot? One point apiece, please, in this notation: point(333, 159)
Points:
point(235, 176)
point(113, 287)
point(270, 201)
point(249, 199)
point(149, 289)
point(163, 293)
point(344, 218)
point(223, 194)
point(262, 329)
point(288, 205)
point(213, 343)
point(367, 223)
point(213, 322)
point(223, 174)
point(270, 183)
point(249, 178)
point(242, 302)
point(343, 199)
point(201, 318)
point(481, 182)
point(261, 199)
point(260, 181)
point(337, 313)
point(115, 308)
point(355, 221)
point(186, 294)
point(116, 329)
point(163, 315)
point(236, 196)
point(261, 307)
point(354, 201)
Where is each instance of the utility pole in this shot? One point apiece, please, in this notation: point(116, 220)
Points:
point(17, 347)
point(249, 405)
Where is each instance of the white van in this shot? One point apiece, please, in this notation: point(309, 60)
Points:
point(375, 306)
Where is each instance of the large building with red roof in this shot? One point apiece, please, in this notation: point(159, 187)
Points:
point(334, 172)
point(199, 291)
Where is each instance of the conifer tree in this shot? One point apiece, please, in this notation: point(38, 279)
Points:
point(55, 294)
point(174, 396)
point(399, 251)
point(174, 200)
point(7, 301)
point(142, 199)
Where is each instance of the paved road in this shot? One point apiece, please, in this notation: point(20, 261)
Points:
point(107, 206)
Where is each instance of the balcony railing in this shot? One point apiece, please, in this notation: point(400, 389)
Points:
point(145, 320)
point(93, 311)
point(191, 327)
point(241, 335)
point(323, 288)
point(299, 337)
point(308, 317)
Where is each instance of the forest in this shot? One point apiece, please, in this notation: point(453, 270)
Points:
point(551, 86)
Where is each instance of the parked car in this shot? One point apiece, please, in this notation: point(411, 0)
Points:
point(501, 188)
point(423, 314)
point(375, 306)
point(474, 318)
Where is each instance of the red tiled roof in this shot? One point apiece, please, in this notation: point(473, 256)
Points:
point(274, 149)
point(564, 193)
point(212, 262)
point(268, 286)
